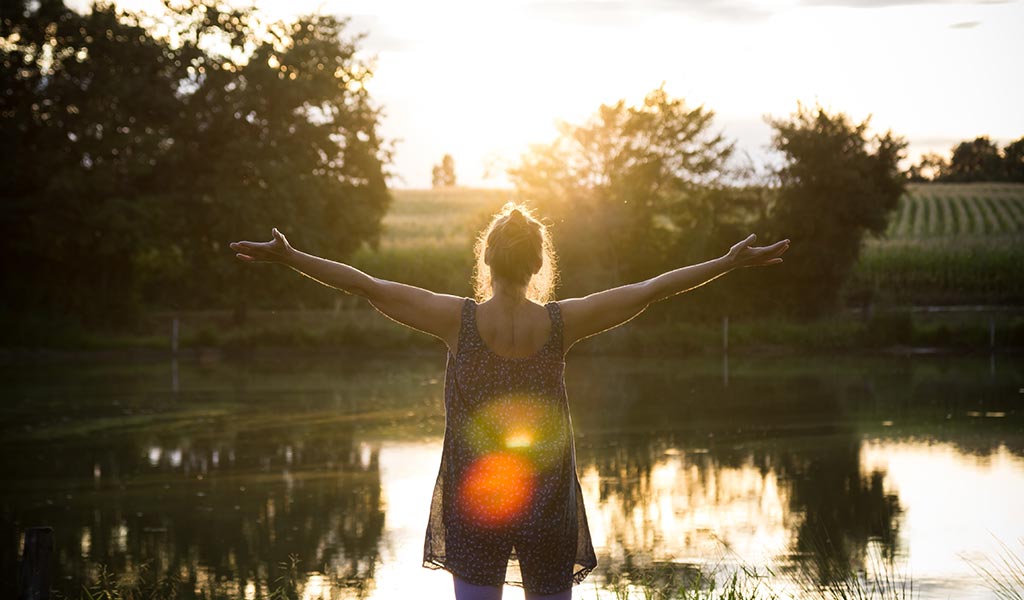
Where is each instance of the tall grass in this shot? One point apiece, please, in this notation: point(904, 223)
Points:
point(1004, 573)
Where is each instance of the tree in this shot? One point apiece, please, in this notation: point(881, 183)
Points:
point(977, 160)
point(1013, 161)
point(931, 167)
point(836, 185)
point(444, 173)
point(140, 155)
point(625, 189)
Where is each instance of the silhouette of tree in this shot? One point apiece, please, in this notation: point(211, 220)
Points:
point(931, 167)
point(1013, 161)
point(633, 177)
point(836, 185)
point(138, 155)
point(977, 160)
point(444, 174)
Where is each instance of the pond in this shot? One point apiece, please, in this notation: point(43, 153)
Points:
point(233, 474)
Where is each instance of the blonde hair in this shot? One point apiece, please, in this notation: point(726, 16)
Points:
point(516, 242)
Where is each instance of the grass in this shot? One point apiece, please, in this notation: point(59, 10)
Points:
point(1003, 574)
point(363, 328)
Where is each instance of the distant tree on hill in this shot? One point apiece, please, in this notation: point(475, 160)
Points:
point(837, 184)
point(444, 174)
point(931, 167)
point(977, 160)
point(1013, 161)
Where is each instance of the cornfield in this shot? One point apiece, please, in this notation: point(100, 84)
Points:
point(949, 244)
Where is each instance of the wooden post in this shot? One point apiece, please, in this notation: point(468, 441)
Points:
point(35, 564)
point(174, 336)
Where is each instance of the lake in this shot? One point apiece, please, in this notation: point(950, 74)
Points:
point(233, 474)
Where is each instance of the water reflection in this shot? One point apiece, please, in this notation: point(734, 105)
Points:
point(246, 468)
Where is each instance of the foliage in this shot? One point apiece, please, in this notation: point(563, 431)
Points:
point(145, 143)
point(836, 186)
point(669, 581)
point(629, 191)
point(972, 161)
point(443, 174)
point(977, 160)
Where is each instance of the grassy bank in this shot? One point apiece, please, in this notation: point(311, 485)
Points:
point(361, 329)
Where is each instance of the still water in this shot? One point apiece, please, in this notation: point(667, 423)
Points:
point(231, 474)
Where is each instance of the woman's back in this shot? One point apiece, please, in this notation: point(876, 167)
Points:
point(513, 330)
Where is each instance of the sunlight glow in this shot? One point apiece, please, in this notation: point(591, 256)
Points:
point(956, 501)
point(487, 91)
point(316, 587)
point(519, 439)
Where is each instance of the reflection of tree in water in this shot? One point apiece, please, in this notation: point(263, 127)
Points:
point(221, 506)
point(716, 438)
point(843, 508)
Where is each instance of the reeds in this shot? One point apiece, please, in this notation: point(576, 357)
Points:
point(1003, 573)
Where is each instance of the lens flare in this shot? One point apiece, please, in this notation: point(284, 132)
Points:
point(528, 427)
point(497, 489)
point(519, 439)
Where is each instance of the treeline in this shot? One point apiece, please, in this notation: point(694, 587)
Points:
point(136, 146)
point(979, 159)
point(637, 190)
point(142, 144)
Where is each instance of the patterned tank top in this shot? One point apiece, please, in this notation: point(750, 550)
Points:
point(507, 480)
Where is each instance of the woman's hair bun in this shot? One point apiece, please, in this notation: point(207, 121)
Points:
point(517, 216)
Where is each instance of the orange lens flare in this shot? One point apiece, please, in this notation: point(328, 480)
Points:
point(496, 489)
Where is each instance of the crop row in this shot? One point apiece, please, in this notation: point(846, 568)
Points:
point(934, 211)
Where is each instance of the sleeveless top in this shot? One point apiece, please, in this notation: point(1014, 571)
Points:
point(508, 464)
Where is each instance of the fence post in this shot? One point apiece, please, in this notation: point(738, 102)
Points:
point(725, 350)
point(35, 564)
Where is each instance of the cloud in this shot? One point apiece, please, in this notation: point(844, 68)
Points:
point(886, 3)
point(618, 12)
point(379, 37)
point(965, 25)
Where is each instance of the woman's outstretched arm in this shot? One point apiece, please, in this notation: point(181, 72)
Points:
point(584, 317)
point(423, 310)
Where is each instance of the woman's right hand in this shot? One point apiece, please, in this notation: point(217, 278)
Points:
point(276, 250)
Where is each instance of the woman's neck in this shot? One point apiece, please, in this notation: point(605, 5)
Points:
point(509, 293)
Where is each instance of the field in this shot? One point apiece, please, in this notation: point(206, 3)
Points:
point(429, 235)
point(949, 244)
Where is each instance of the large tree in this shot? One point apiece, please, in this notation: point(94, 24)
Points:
point(624, 189)
point(836, 185)
point(142, 144)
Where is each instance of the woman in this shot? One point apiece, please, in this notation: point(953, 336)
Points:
point(507, 506)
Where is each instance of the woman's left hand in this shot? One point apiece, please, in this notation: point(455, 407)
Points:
point(745, 255)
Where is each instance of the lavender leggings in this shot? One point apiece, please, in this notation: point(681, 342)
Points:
point(467, 591)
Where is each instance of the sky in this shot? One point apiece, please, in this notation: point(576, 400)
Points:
point(483, 80)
